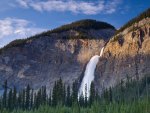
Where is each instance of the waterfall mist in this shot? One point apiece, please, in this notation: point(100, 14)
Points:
point(89, 76)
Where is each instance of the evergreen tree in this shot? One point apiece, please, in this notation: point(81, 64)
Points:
point(19, 100)
point(60, 91)
point(92, 94)
point(27, 99)
point(64, 95)
point(122, 90)
point(81, 100)
point(68, 98)
point(23, 99)
point(97, 97)
point(5, 94)
point(50, 99)
point(0, 103)
point(106, 95)
point(36, 104)
point(14, 97)
point(39, 98)
point(10, 99)
point(32, 99)
point(44, 95)
point(85, 98)
point(74, 92)
point(54, 95)
point(58, 95)
point(110, 94)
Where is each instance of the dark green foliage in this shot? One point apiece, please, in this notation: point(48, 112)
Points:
point(64, 95)
point(83, 24)
point(143, 15)
point(110, 94)
point(32, 99)
point(120, 99)
point(92, 94)
point(4, 101)
point(74, 91)
point(59, 93)
point(38, 99)
point(118, 38)
point(10, 99)
point(50, 99)
point(106, 95)
point(23, 99)
point(15, 43)
point(14, 97)
point(44, 95)
point(126, 92)
point(19, 100)
point(85, 98)
point(68, 98)
point(27, 97)
point(36, 102)
point(54, 95)
point(81, 100)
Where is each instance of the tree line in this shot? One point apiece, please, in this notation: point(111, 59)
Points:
point(62, 95)
point(145, 14)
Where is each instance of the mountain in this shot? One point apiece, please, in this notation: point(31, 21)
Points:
point(127, 54)
point(65, 51)
point(62, 52)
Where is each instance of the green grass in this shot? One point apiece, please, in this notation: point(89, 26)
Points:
point(137, 106)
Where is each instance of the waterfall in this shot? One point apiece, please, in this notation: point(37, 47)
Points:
point(89, 75)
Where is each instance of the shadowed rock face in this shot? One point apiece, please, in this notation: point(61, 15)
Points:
point(43, 60)
point(131, 58)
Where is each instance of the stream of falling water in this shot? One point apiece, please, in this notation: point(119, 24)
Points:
point(89, 76)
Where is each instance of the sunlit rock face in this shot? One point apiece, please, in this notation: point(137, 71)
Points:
point(128, 56)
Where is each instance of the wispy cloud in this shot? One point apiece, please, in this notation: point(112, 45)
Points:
point(12, 28)
point(23, 3)
point(74, 6)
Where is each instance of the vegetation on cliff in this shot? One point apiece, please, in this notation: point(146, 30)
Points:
point(145, 14)
point(118, 36)
point(81, 27)
point(83, 24)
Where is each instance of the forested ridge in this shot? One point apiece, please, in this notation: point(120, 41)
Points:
point(145, 14)
point(83, 24)
point(79, 26)
point(131, 96)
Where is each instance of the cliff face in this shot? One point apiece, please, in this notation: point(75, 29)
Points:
point(43, 60)
point(127, 54)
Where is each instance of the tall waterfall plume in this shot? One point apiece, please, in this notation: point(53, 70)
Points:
point(89, 76)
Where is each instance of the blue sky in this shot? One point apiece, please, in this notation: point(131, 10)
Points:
point(23, 18)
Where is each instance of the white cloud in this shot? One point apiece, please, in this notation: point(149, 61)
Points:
point(23, 3)
point(83, 7)
point(12, 28)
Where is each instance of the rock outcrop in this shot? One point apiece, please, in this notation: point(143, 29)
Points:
point(44, 59)
point(126, 55)
point(64, 52)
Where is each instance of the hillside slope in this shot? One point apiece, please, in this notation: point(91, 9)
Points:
point(126, 55)
point(62, 52)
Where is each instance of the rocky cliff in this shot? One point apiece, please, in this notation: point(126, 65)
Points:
point(62, 52)
point(65, 51)
point(126, 55)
